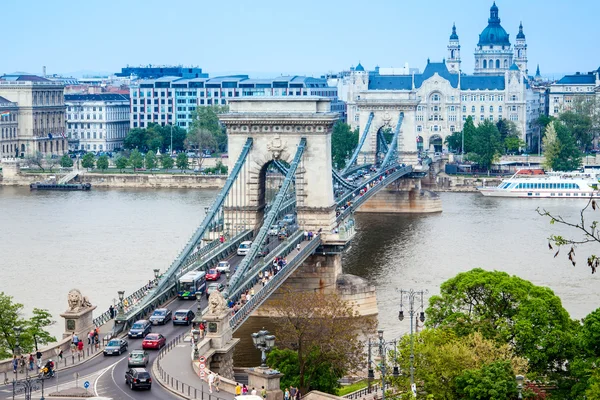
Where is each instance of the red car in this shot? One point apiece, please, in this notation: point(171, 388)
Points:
point(213, 275)
point(153, 341)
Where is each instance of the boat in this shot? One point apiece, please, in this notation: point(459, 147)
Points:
point(60, 186)
point(561, 185)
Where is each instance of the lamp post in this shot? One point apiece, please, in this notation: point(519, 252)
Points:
point(205, 210)
point(264, 342)
point(410, 296)
point(520, 379)
point(156, 274)
point(383, 351)
point(121, 312)
point(171, 150)
point(27, 386)
point(17, 348)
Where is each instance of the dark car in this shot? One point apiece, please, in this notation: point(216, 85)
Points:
point(161, 316)
point(282, 235)
point(140, 329)
point(183, 317)
point(264, 251)
point(214, 286)
point(115, 346)
point(138, 378)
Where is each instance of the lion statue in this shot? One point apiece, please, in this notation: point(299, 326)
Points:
point(77, 301)
point(216, 303)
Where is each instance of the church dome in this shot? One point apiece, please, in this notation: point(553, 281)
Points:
point(454, 36)
point(494, 33)
point(359, 67)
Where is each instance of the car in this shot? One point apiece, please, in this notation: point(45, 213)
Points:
point(161, 316)
point(273, 230)
point(115, 346)
point(214, 286)
point(183, 317)
point(264, 251)
point(223, 266)
point(138, 378)
point(289, 219)
point(244, 248)
point(213, 274)
point(138, 358)
point(282, 235)
point(140, 329)
point(153, 341)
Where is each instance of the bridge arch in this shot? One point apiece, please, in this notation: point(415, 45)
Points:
point(436, 142)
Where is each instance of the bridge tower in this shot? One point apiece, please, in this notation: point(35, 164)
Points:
point(276, 126)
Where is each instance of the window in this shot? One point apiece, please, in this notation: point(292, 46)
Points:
point(451, 108)
point(419, 128)
point(492, 118)
point(464, 97)
point(435, 128)
point(472, 109)
point(482, 109)
point(464, 117)
point(481, 97)
point(452, 128)
point(500, 109)
point(492, 97)
point(491, 109)
point(482, 118)
point(464, 109)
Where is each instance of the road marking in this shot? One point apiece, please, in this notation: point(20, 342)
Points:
point(100, 376)
point(112, 375)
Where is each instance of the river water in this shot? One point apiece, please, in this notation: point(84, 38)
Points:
point(107, 240)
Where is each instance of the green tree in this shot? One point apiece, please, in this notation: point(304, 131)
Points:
point(179, 136)
point(560, 148)
point(88, 161)
point(34, 333)
point(200, 139)
point(551, 146)
point(136, 139)
point(136, 160)
point(121, 163)
point(513, 144)
point(494, 381)
point(207, 119)
point(66, 161)
point(150, 160)
point(454, 142)
point(166, 161)
point(507, 309)
point(10, 317)
point(580, 127)
point(182, 161)
point(102, 163)
point(487, 145)
point(343, 142)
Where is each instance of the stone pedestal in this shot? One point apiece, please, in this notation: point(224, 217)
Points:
point(10, 169)
point(267, 378)
point(222, 343)
point(79, 321)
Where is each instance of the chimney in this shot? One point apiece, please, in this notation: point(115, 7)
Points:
point(44, 71)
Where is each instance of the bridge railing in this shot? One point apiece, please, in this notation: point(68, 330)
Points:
point(360, 144)
point(275, 282)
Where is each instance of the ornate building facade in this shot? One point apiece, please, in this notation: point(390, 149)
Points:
point(498, 89)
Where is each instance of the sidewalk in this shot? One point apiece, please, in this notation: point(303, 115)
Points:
point(180, 378)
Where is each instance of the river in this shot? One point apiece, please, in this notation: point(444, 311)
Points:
point(107, 240)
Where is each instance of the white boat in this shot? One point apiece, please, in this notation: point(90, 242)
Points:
point(561, 185)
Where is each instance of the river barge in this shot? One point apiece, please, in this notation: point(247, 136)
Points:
point(60, 186)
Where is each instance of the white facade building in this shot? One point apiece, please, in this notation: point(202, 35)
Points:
point(97, 122)
point(563, 93)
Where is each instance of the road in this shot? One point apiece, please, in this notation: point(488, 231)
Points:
point(106, 374)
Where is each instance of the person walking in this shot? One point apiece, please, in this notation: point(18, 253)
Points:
point(286, 395)
point(244, 389)
point(211, 380)
point(15, 364)
point(80, 347)
point(217, 382)
point(253, 392)
point(60, 356)
point(111, 311)
point(31, 362)
point(38, 355)
point(238, 389)
point(263, 392)
point(22, 363)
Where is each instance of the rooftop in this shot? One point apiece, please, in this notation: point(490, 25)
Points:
point(97, 97)
point(27, 78)
point(578, 79)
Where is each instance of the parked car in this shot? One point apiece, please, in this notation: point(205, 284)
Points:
point(244, 248)
point(213, 274)
point(224, 266)
point(153, 341)
point(138, 358)
point(115, 346)
point(140, 329)
point(161, 316)
point(214, 286)
point(273, 230)
point(138, 378)
point(183, 317)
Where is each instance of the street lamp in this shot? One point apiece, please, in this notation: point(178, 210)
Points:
point(264, 342)
point(383, 352)
point(156, 274)
point(121, 309)
point(520, 379)
point(17, 349)
point(205, 210)
point(411, 295)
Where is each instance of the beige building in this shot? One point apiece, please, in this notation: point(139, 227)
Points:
point(41, 113)
point(9, 143)
point(570, 88)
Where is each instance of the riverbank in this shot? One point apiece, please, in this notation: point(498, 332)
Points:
point(461, 183)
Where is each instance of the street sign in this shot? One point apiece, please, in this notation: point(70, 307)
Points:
point(202, 366)
point(414, 389)
point(202, 359)
point(76, 375)
point(86, 384)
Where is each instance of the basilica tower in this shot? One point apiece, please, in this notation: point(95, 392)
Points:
point(521, 51)
point(453, 62)
point(493, 54)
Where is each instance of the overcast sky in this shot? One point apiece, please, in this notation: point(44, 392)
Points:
point(269, 37)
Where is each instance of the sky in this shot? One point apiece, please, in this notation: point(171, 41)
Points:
point(275, 37)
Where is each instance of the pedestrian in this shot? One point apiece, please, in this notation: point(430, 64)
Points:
point(90, 337)
point(238, 389)
point(60, 355)
point(31, 362)
point(286, 395)
point(75, 339)
point(211, 380)
point(15, 363)
point(292, 392)
point(38, 355)
point(22, 363)
point(111, 311)
point(298, 247)
point(97, 341)
point(263, 392)
point(244, 389)
point(217, 382)
point(305, 235)
point(298, 395)
point(253, 392)
point(80, 347)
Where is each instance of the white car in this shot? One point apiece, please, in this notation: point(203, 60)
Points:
point(273, 230)
point(224, 267)
point(244, 248)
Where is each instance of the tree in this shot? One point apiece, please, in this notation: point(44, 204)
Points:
point(454, 142)
point(487, 145)
point(150, 160)
point(102, 163)
point(510, 136)
point(207, 119)
point(34, 333)
point(88, 161)
point(560, 148)
point(181, 161)
point(323, 330)
point(494, 381)
point(442, 356)
point(121, 163)
point(51, 161)
point(506, 309)
point(201, 138)
point(166, 161)
point(36, 160)
point(10, 317)
point(343, 142)
point(513, 144)
point(136, 160)
point(136, 139)
point(580, 127)
point(66, 161)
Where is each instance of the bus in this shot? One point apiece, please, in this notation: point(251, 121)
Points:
point(190, 283)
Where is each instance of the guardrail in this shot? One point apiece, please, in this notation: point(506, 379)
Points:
point(359, 394)
point(244, 312)
point(183, 389)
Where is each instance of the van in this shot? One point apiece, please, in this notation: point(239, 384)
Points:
point(244, 248)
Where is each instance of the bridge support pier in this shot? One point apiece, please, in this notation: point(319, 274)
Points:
point(404, 196)
point(218, 344)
